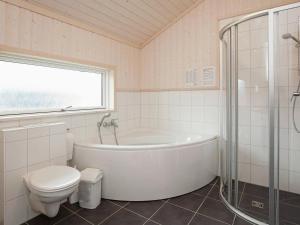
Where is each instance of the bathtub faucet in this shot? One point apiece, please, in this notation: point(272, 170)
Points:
point(112, 123)
point(106, 115)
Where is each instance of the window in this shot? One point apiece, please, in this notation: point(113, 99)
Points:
point(30, 85)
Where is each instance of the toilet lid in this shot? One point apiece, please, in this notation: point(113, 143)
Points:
point(54, 178)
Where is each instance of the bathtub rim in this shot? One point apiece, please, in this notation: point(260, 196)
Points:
point(147, 147)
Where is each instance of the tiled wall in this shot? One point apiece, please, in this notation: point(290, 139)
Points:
point(84, 126)
point(25, 149)
point(181, 111)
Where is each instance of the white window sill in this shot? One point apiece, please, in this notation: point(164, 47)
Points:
point(6, 118)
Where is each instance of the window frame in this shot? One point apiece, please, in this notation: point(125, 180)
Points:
point(107, 83)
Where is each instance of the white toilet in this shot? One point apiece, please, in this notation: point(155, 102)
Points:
point(49, 186)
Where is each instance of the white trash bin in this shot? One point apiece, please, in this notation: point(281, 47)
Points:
point(90, 188)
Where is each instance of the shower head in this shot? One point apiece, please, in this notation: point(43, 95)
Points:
point(290, 36)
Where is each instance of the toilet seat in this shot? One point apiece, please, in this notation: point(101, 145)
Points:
point(53, 179)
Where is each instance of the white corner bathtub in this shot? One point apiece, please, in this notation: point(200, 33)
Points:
point(149, 166)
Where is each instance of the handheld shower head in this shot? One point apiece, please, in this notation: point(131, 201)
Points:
point(286, 36)
point(290, 36)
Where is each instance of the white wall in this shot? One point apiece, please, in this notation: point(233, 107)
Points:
point(181, 111)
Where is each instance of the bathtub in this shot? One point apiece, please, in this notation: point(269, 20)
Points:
point(150, 166)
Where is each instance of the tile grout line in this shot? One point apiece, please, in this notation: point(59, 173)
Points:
point(202, 202)
point(178, 206)
point(129, 210)
point(62, 219)
point(242, 194)
point(70, 210)
point(84, 219)
point(234, 219)
point(214, 219)
point(156, 212)
point(114, 212)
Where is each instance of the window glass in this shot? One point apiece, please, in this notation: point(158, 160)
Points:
point(38, 88)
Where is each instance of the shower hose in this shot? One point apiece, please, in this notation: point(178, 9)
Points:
point(294, 99)
point(115, 135)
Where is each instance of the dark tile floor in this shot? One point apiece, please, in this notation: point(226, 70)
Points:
point(201, 207)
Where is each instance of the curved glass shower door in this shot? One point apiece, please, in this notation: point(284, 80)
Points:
point(259, 144)
point(247, 134)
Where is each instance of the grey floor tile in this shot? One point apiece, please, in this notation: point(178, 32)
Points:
point(203, 220)
point(104, 210)
point(146, 209)
point(188, 201)
point(172, 215)
point(73, 220)
point(217, 210)
point(124, 217)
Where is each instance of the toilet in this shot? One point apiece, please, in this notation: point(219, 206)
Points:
point(49, 186)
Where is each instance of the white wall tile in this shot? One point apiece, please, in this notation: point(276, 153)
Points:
point(62, 161)
point(284, 180)
point(259, 38)
point(244, 78)
point(163, 98)
point(244, 96)
point(244, 40)
point(37, 131)
point(211, 114)
point(14, 183)
point(294, 161)
point(244, 135)
point(244, 172)
point(260, 175)
point(38, 150)
point(259, 57)
point(59, 128)
point(293, 15)
point(16, 211)
point(244, 115)
point(294, 182)
point(260, 156)
point(78, 121)
point(197, 98)
point(244, 59)
point(15, 134)
point(259, 136)
point(15, 155)
point(38, 166)
point(244, 153)
point(57, 145)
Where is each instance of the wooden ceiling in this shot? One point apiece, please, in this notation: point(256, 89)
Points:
point(133, 21)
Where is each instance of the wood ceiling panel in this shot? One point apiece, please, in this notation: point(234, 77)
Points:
point(100, 8)
point(133, 9)
point(102, 18)
point(134, 21)
point(130, 15)
point(100, 21)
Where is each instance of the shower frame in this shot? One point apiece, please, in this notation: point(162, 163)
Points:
point(230, 74)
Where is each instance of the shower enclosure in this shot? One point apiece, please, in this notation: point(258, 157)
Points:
point(260, 140)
